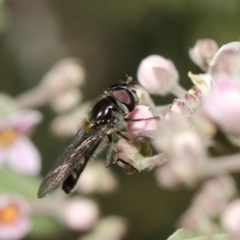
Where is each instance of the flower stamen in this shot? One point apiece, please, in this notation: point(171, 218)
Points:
point(7, 137)
point(8, 214)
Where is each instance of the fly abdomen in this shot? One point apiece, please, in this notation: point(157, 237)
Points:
point(70, 182)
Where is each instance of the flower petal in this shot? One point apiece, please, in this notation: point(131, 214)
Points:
point(24, 157)
point(24, 120)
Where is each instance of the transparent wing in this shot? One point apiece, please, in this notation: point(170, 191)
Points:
point(83, 145)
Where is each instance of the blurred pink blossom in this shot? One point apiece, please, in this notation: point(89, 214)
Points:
point(222, 104)
point(231, 218)
point(96, 178)
point(15, 147)
point(226, 61)
point(14, 217)
point(214, 196)
point(186, 154)
point(203, 52)
point(60, 87)
point(158, 75)
point(80, 213)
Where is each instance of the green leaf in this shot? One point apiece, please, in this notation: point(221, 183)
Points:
point(45, 226)
point(27, 186)
point(182, 234)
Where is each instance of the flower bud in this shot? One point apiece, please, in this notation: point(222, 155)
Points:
point(221, 105)
point(80, 213)
point(157, 75)
point(146, 124)
point(203, 52)
point(226, 61)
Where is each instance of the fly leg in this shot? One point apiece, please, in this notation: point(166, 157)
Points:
point(108, 162)
point(140, 119)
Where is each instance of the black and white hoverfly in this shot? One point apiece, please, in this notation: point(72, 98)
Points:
point(106, 118)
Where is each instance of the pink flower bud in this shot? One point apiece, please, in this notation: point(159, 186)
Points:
point(226, 61)
point(221, 105)
point(157, 75)
point(149, 122)
point(203, 52)
point(80, 213)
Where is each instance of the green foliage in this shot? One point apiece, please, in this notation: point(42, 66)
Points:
point(182, 234)
point(10, 181)
point(44, 226)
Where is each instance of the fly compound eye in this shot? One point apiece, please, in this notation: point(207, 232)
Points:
point(125, 97)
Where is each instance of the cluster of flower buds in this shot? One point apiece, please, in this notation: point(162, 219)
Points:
point(197, 136)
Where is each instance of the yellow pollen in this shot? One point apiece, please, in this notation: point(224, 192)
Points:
point(7, 136)
point(9, 214)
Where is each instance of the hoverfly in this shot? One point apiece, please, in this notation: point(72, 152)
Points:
point(105, 119)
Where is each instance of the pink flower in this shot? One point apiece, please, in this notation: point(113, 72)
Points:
point(14, 217)
point(157, 75)
point(203, 52)
point(222, 104)
point(226, 61)
point(15, 147)
point(80, 213)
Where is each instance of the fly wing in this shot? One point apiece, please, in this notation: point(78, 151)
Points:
point(83, 145)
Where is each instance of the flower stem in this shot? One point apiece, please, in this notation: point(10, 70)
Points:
point(32, 98)
point(178, 91)
point(224, 164)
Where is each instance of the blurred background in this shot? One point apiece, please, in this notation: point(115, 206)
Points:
point(111, 38)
